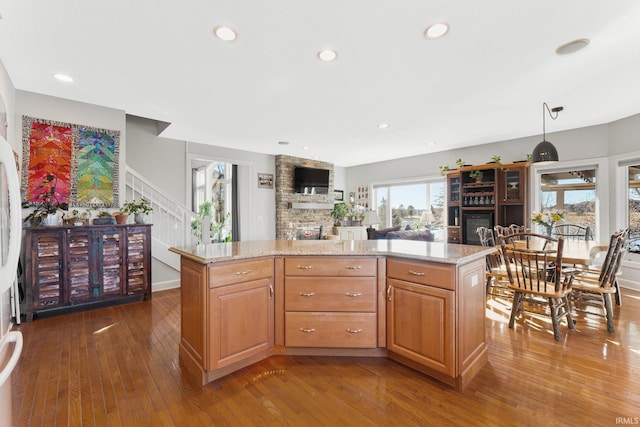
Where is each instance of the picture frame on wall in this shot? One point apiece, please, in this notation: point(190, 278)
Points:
point(338, 195)
point(265, 180)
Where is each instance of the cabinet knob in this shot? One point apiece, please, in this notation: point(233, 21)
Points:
point(307, 330)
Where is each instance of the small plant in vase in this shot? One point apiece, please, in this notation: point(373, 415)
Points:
point(340, 210)
point(460, 163)
point(73, 217)
point(477, 175)
point(139, 209)
point(443, 169)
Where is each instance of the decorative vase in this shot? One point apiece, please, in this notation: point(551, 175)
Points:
point(547, 229)
point(51, 220)
point(121, 218)
point(139, 218)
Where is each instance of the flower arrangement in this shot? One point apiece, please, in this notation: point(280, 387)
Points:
point(547, 219)
point(47, 203)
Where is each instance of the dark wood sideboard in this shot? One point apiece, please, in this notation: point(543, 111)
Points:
point(71, 268)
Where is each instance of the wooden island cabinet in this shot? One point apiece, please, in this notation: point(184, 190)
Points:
point(419, 303)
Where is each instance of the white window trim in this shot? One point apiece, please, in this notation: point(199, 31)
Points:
point(619, 165)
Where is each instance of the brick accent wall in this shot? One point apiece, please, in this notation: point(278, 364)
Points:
point(285, 196)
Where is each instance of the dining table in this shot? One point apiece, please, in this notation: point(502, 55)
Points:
point(581, 252)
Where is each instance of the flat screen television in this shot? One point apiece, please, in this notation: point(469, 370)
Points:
point(310, 180)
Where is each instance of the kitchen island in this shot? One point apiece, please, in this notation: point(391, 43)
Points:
point(419, 303)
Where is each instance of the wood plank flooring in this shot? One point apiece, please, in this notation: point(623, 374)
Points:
point(119, 366)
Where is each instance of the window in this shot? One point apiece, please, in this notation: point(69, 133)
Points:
point(212, 192)
point(572, 191)
point(634, 208)
point(419, 204)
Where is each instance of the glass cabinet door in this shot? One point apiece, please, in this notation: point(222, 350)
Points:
point(513, 183)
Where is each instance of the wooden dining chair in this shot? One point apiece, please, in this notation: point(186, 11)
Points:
point(503, 231)
point(601, 283)
point(534, 268)
point(572, 231)
point(496, 273)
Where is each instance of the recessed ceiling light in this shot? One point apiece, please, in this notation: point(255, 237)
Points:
point(383, 125)
point(572, 46)
point(305, 147)
point(327, 55)
point(225, 33)
point(431, 143)
point(437, 30)
point(63, 78)
point(283, 142)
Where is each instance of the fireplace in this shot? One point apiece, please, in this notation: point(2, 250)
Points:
point(471, 222)
point(309, 233)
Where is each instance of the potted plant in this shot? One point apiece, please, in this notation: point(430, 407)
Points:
point(47, 204)
point(340, 210)
point(121, 217)
point(496, 159)
point(74, 218)
point(104, 218)
point(138, 209)
point(460, 163)
point(477, 175)
point(443, 169)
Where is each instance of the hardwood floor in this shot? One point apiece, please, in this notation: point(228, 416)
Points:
point(119, 366)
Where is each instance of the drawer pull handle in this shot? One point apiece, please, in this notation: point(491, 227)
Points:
point(416, 273)
point(354, 294)
point(243, 273)
point(270, 290)
point(307, 294)
point(307, 330)
point(353, 267)
point(305, 267)
point(354, 331)
point(389, 292)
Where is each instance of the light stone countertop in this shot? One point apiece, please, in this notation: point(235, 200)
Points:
point(410, 249)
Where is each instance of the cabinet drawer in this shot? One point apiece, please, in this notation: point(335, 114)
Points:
point(239, 272)
point(422, 272)
point(330, 294)
point(329, 266)
point(344, 330)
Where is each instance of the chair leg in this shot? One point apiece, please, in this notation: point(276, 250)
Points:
point(515, 307)
point(608, 312)
point(618, 294)
point(567, 309)
point(554, 319)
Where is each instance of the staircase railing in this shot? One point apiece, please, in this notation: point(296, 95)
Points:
point(170, 218)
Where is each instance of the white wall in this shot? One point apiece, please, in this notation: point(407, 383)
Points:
point(7, 96)
point(165, 162)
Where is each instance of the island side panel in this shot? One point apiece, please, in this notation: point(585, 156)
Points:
point(471, 301)
point(193, 318)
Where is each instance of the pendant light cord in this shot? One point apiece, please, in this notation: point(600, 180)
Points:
point(551, 111)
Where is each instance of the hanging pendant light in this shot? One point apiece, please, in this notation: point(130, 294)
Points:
point(545, 151)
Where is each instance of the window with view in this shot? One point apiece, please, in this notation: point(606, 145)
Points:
point(213, 196)
point(414, 204)
point(573, 192)
point(634, 208)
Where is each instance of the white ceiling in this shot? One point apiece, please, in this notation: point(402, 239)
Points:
point(482, 82)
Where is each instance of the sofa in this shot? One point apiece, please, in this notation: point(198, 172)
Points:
point(406, 234)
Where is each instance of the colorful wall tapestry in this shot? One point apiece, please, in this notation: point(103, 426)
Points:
point(83, 162)
point(97, 172)
point(49, 153)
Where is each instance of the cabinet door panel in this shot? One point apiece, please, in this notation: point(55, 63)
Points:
point(241, 321)
point(79, 265)
point(45, 269)
point(110, 262)
point(138, 260)
point(420, 324)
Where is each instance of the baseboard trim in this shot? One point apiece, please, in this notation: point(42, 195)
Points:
point(163, 286)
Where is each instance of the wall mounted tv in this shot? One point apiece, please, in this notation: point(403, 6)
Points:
point(310, 180)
